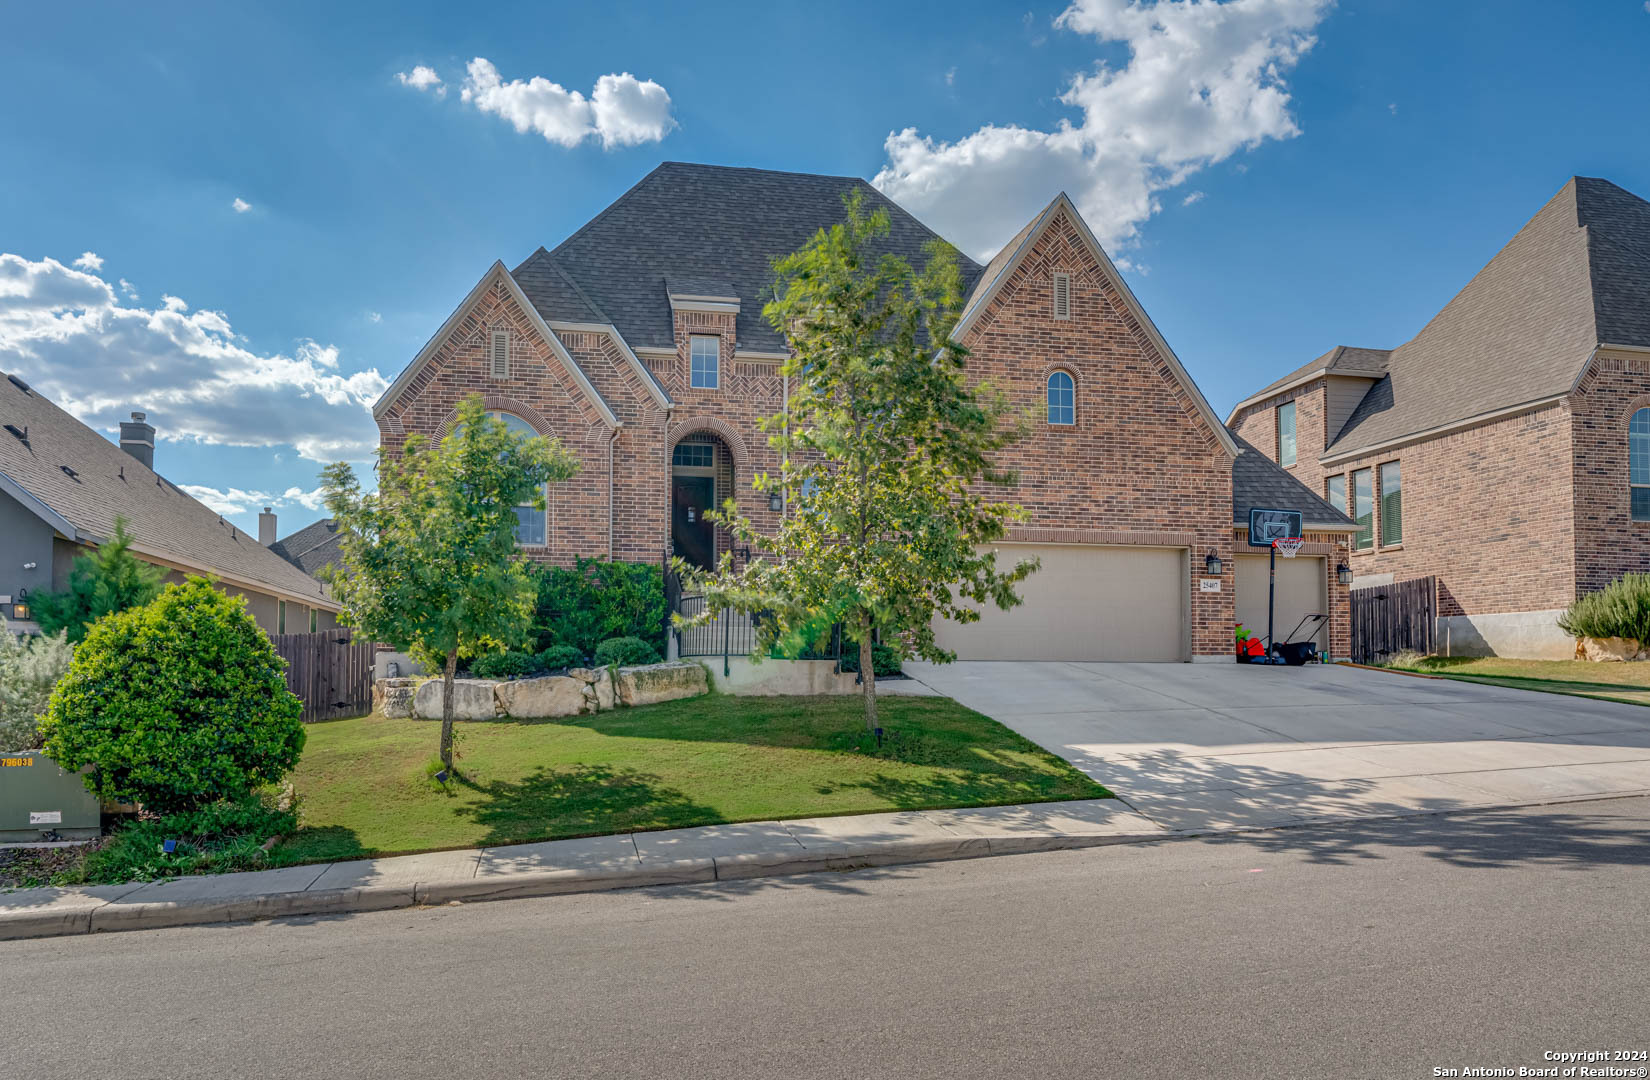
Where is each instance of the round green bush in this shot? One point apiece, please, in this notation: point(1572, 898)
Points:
point(502, 665)
point(557, 657)
point(176, 704)
point(625, 652)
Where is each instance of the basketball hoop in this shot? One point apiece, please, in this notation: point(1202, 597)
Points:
point(1288, 546)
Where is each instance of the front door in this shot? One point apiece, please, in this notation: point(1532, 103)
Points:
point(691, 534)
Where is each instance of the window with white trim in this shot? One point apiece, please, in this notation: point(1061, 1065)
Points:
point(1062, 398)
point(1638, 465)
point(1062, 296)
point(1286, 433)
point(530, 520)
point(1334, 489)
point(1363, 509)
point(1392, 505)
point(704, 356)
point(498, 355)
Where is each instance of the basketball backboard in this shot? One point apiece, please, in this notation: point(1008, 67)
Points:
point(1266, 526)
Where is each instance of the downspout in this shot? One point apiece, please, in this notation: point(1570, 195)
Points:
point(785, 465)
point(611, 439)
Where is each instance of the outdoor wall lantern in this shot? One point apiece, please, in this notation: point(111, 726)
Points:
point(776, 501)
point(1212, 564)
point(1343, 574)
point(20, 609)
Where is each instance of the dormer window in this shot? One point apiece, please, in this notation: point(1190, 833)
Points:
point(705, 352)
point(1062, 296)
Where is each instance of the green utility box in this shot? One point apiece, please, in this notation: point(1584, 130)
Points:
point(39, 801)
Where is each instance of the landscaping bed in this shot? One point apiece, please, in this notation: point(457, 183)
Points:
point(365, 790)
point(1625, 682)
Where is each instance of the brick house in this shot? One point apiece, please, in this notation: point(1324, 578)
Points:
point(640, 343)
point(1506, 447)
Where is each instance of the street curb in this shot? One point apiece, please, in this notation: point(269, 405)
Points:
point(111, 916)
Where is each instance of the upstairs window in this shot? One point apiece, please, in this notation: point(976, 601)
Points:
point(1638, 464)
point(1062, 399)
point(705, 354)
point(498, 355)
point(1062, 296)
point(1286, 433)
point(1334, 490)
point(1363, 510)
point(1392, 504)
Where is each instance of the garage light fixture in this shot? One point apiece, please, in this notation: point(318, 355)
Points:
point(1343, 574)
point(776, 501)
point(1212, 564)
point(20, 608)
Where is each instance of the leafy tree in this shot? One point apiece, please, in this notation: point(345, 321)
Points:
point(108, 579)
point(176, 704)
point(888, 457)
point(429, 559)
point(30, 666)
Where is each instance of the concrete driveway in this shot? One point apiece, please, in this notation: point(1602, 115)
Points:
point(1211, 746)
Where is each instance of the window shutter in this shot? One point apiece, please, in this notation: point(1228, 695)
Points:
point(499, 355)
point(1062, 296)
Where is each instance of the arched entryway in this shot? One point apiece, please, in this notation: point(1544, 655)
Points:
point(702, 470)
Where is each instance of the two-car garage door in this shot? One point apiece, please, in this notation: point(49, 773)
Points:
point(1084, 603)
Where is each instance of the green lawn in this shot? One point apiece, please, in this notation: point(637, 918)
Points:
point(1629, 682)
point(709, 760)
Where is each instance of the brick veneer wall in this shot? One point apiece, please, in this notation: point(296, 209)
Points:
point(1608, 542)
point(1140, 459)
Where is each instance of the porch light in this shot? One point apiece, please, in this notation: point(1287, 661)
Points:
point(1212, 564)
point(1343, 574)
point(776, 501)
point(20, 609)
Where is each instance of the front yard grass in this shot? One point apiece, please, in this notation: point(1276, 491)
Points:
point(1627, 682)
point(365, 789)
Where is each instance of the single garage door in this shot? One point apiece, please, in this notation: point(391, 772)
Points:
point(1084, 603)
point(1300, 590)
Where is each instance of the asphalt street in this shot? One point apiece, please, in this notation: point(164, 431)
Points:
point(1375, 950)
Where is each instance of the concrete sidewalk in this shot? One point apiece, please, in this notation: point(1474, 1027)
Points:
point(710, 853)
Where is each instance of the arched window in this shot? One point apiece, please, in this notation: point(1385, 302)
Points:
point(1062, 399)
point(530, 519)
point(1638, 464)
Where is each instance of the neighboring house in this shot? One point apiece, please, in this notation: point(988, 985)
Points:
point(312, 549)
point(1506, 447)
point(62, 485)
point(640, 343)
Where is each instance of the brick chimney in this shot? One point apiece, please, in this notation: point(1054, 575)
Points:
point(266, 527)
point(137, 437)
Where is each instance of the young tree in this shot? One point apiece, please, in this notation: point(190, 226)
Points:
point(107, 580)
point(429, 559)
point(887, 449)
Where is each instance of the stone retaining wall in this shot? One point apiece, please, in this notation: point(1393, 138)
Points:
point(581, 691)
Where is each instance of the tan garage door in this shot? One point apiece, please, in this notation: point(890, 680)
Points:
point(1300, 590)
point(1085, 603)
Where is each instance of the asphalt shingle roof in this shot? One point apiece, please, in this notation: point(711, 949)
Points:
point(1576, 275)
point(1347, 359)
point(89, 481)
point(311, 548)
point(1258, 481)
point(698, 223)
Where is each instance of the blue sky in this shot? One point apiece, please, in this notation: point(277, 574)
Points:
point(1342, 170)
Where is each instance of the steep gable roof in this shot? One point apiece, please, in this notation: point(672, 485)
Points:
point(313, 547)
point(1341, 360)
point(81, 482)
point(688, 223)
point(1521, 331)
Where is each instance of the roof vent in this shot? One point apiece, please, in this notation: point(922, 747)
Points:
point(21, 433)
point(1062, 296)
point(19, 383)
point(70, 473)
point(499, 355)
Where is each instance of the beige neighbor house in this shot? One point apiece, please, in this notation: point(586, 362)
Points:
point(1506, 447)
point(639, 342)
point(62, 485)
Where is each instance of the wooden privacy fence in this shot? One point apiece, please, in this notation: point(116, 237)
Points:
point(329, 671)
point(1387, 619)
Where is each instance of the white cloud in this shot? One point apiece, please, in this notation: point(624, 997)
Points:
point(309, 500)
point(1203, 81)
point(90, 260)
point(129, 289)
point(951, 77)
point(374, 317)
point(232, 500)
point(1193, 197)
point(622, 110)
point(69, 334)
point(422, 78)
point(240, 205)
point(1392, 107)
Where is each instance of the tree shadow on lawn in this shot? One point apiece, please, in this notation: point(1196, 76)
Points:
point(580, 800)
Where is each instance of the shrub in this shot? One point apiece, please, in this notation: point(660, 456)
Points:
point(216, 838)
point(1620, 609)
point(557, 657)
point(625, 652)
point(29, 667)
point(176, 704)
point(598, 600)
point(502, 665)
point(884, 660)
